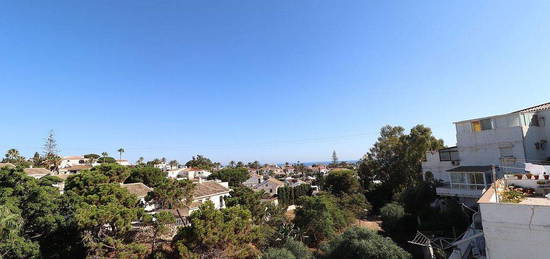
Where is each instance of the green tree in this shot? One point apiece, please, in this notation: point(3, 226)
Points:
point(104, 215)
point(116, 173)
point(362, 243)
point(395, 160)
point(106, 160)
point(391, 215)
point(173, 163)
point(140, 160)
point(227, 232)
point(13, 244)
point(159, 224)
point(148, 175)
point(278, 253)
point(200, 162)
point(235, 176)
point(342, 181)
point(298, 249)
point(120, 151)
point(356, 203)
point(50, 145)
point(334, 158)
point(172, 194)
point(319, 217)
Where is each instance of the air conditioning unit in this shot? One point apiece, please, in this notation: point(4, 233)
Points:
point(455, 162)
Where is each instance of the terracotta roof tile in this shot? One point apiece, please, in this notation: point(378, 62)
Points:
point(138, 189)
point(208, 189)
point(36, 171)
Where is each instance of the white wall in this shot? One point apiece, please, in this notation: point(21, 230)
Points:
point(218, 204)
point(516, 230)
point(482, 147)
point(438, 168)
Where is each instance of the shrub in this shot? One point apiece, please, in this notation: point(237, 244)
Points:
point(361, 243)
point(278, 253)
point(391, 214)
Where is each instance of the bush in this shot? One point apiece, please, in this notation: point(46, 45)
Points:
point(278, 253)
point(359, 242)
point(319, 217)
point(298, 249)
point(391, 214)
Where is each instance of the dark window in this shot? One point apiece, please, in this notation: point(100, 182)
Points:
point(534, 121)
point(486, 124)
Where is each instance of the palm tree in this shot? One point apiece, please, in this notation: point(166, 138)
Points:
point(53, 162)
point(232, 163)
point(104, 154)
point(120, 151)
point(12, 155)
point(140, 160)
point(173, 163)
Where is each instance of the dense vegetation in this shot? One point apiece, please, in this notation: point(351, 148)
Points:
point(96, 217)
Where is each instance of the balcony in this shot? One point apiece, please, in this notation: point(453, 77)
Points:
point(461, 190)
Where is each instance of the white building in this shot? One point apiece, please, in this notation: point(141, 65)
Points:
point(508, 141)
point(268, 184)
point(140, 190)
point(189, 173)
point(515, 230)
point(214, 191)
point(69, 161)
point(123, 162)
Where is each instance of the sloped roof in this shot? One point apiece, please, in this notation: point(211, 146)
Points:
point(36, 171)
point(73, 157)
point(208, 189)
point(275, 181)
point(474, 168)
point(540, 107)
point(138, 189)
point(77, 168)
point(10, 165)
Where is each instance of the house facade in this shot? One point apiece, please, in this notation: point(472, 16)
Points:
point(269, 185)
point(515, 230)
point(507, 141)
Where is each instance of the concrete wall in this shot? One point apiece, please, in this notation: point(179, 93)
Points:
point(516, 230)
point(438, 168)
point(218, 203)
point(482, 147)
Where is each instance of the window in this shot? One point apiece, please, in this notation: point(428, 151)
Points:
point(506, 151)
point(480, 125)
point(448, 155)
point(476, 126)
point(486, 124)
point(534, 121)
point(467, 181)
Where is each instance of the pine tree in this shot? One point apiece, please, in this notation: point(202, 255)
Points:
point(334, 158)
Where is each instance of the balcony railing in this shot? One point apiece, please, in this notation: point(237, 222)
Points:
point(461, 190)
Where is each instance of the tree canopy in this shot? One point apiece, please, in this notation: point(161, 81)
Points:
point(201, 162)
point(235, 176)
point(362, 243)
point(342, 181)
point(395, 160)
point(148, 175)
point(226, 232)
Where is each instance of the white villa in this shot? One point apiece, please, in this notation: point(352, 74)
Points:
point(268, 184)
point(509, 141)
point(189, 173)
point(140, 190)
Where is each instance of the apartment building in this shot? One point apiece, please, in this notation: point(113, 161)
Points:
point(517, 229)
point(507, 141)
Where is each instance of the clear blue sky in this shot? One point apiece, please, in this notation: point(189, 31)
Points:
point(272, 81)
